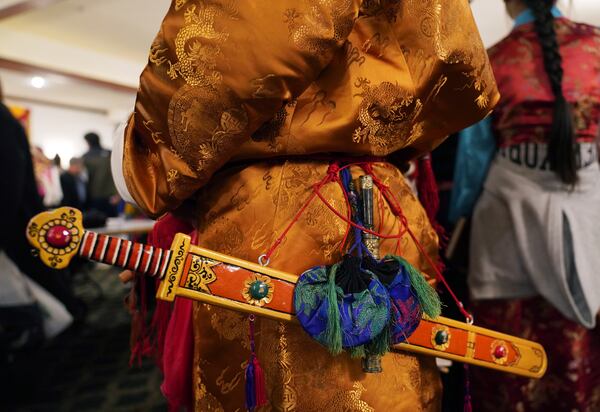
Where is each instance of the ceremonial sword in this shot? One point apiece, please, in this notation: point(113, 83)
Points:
point(370, 363)
point(207, 276)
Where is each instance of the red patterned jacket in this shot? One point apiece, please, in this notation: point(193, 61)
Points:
point(524, 113)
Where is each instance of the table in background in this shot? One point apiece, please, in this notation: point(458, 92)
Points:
point(121, 226)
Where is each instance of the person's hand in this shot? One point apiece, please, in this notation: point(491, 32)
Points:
point(126, 276)
point(115, 200)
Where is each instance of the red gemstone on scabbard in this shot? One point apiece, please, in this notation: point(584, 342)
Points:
point(500, 352)
point(58, 236)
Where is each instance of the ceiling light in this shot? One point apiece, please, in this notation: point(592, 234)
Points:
point(38, 82)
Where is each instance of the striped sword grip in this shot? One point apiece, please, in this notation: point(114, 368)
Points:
point(114, 251)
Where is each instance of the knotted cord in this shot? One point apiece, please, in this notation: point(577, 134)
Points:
point(333, 176)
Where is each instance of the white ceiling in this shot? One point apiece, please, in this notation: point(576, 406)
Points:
point(121, 28)
point(64, 91)
point(8, 3)
point(109, 40)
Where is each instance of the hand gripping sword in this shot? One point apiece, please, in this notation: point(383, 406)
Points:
point(210, 277)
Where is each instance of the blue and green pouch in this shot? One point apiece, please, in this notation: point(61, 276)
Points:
point(341, 306)
point(410, 295)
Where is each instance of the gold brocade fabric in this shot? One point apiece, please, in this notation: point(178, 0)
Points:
point(230, 85)
point(231, 80)
point(243, 211)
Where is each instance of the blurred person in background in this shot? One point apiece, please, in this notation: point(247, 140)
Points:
point(20, 202)
point(57, 162)
point(534, 256)
point(101, 191)
point(47, 175)
point(74, 184)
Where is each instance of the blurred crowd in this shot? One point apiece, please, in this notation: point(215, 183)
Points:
point(37, 302)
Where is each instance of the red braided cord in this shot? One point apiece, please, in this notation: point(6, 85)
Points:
point(395, 207)
point(333, 168)
point(348, 209)
point(398, 250)
point(278, 241)
point(333, 176)
point(381, 213)
point(362, 228)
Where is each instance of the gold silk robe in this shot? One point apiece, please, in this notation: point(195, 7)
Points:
point(235, 99)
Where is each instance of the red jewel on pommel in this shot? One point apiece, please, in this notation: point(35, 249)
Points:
point(500, 352)
point(58, 236)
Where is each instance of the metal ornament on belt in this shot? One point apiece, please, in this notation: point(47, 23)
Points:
point(370, 240)
point(370, 363)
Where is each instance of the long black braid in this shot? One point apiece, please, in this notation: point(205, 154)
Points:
point(561, 145)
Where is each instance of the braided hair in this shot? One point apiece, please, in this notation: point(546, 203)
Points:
point(561, 144)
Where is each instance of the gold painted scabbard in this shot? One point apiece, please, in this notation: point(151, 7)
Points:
point(214, 278)
point(225, 281)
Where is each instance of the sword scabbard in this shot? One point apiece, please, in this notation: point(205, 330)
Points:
point(215, 278)
point(225, 281)
point(169, 285)
point(477, 346)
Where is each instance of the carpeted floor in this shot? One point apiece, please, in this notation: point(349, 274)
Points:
point(87, 367)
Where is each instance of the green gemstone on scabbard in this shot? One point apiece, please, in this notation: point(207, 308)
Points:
point(441, 337)
point(259, 290)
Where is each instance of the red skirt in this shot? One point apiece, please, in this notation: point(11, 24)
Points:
point(572, 382)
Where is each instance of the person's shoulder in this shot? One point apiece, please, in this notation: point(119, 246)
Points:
point(5, 114)
point(96, 154)
point(9, 123)
point(583, 29)
point(515, 46)
point(503, 45)
point(579, 31)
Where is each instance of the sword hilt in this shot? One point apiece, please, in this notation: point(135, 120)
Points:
point(114, 251)
point(370, 240)
point(58, 236)
point(370, 363)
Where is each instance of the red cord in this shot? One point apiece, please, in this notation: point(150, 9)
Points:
point(398, 249)
point(278, 241)
point(397, 211)
point(332, 173)
point(348, 209)
point(356, 225)
point(333, 176)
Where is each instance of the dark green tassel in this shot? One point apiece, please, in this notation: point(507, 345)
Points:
point(357, 352)
point(381, 344)
point(333, 332)
point(428, 297)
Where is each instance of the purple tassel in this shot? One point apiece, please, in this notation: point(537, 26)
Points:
point(256, 395)
point(467, 407)
point(250, 386)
